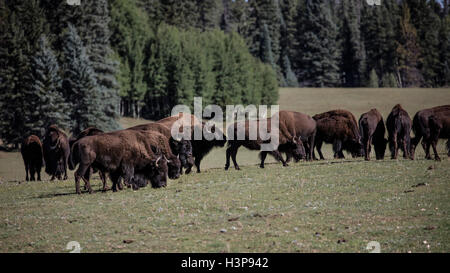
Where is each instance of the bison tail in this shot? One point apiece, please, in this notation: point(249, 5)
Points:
point(74, 156)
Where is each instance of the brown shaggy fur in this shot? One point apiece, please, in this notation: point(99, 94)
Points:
point(398, 124)
point(56, 152)
point(339, 128)
point(121, 154)
point(295, 124)
point(233, 144)
point(32, 155)
point(421, 128)
point(372, 129)
point(439, 128)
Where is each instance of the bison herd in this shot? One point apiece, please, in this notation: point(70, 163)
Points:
point(148, 154)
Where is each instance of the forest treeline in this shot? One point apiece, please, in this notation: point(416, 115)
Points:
point(80, 66)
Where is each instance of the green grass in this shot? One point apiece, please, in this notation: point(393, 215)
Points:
point(306, 207)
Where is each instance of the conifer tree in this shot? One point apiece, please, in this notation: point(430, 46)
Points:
point(318, 59)
point(79, 84)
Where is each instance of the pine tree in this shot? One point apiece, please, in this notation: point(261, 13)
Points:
point(409, 52)
point(79, 84)
point(46, 102)
point(373, 79)
point(353, 54)
point(129, 37)
point(317, 62)
point(444, 52)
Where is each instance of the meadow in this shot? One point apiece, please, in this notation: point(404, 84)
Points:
point(322, 206)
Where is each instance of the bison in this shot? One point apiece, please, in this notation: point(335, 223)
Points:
point(291, 143)
point(295, 124)
point(398, 124)
point(181, 148)
point(439, 128)
point(121, 154)
point(32, 155)
point(91, 131)
point(56, 152)
point(338, 127)
point(372, 130)
point(201, 147)
point(421, 128)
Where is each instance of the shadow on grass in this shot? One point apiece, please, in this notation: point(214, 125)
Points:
point(72, 193)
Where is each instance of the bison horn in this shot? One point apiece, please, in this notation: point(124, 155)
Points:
point(294, 140)
point(56, 145)
point(157, 160)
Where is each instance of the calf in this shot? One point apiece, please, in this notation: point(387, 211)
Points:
point(372, 131)
point(32, 155)
point(398, 124)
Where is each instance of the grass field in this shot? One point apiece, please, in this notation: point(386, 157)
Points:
point(327, 206)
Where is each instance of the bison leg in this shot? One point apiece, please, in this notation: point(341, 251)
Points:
point(319, 150)
point(82, 169)
point(263, 156)
point(32, 173)
point(103, 178)
point(311, 147)
point(228, 155)
point(197, 161)
point(278, 156)
point(436, 155)
point(38, 173)
point(27, 171)
point(426, 148)
point(367, 144)
point(394, 147)
point(337, 148)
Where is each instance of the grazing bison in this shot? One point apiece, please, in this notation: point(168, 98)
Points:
point(295, 124)
point(200, 148)
point(398, 124)
point(439, 128)
point(372, 130)
point(338, 127)
point(56, 152)
point(293, 143)
point(32, 155)
point(91, 131)
point(181, 148)
point(421, 128)
point(121, 154)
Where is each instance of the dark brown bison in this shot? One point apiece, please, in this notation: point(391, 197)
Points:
point(181, 148)
point(32, 155)
point(91, 131)
point(338, 127)
point(439, 128)
point(295, 124)
point(398, 124)
point(56, 152)
point(293, 143)
point(201, 147)
point(121, 154)
point(421, 128)
point(372, 130)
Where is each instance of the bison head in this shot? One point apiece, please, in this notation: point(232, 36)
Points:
point(183, 149)
point(158, 172)
point(298, 150)
point(380, 148)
